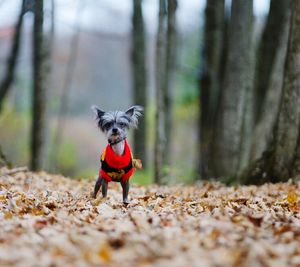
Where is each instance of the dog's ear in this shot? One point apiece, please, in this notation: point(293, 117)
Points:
point(98, 115)
point(98, 112)
point(133, 114)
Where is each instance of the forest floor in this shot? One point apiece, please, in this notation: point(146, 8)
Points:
point(50, 220)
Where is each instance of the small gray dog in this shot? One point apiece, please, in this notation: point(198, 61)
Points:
point(117, 163)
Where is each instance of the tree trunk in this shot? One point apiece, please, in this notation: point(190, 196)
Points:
point(267, 51)
point(281, 159)
point(139, 79)
point(248, 113)
point(67, 84)
point(270, 106)
point(209, 82)
point(12, 60)
point(213, 165)
point(296, 167)
point(169, 75)
point(40, 72)
point(160, 138)
point(237, 82)
point(248, 118)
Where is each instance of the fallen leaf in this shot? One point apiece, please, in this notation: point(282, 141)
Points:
point(40, 223)
point(104, 253)
point(256, 220)
point(292, 197)
point(8, 215)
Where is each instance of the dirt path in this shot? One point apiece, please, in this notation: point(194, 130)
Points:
point(48, 220)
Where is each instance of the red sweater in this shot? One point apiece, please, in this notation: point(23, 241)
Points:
point(115, 167)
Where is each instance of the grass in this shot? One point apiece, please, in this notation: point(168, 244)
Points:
point(142, 177)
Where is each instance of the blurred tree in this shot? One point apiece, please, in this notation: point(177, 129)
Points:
point(40, 75)
point(270, 106)
point(210, 81)
point(237, 83)
point(268, 47)
point(8, 78)
point(56, 149)
point(170, 58)
point(3, 159)
point(160, 135)
point(281, 159)
point(165, 67)
point(139, 78)
point(248, 116)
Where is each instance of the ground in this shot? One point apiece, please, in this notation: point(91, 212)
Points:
point(50, 220)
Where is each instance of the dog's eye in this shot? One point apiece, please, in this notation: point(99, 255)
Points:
point(108, 125)
point(122, 124)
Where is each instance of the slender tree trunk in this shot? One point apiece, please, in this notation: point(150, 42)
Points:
point(160, 138)
point(270, 107)
point(213, 164)
point(40, 72)
point(139, 78)
point(67, 84)
point(237, 82)
point(247, 128)
point(209, 82)
point(281, 159)
point(169, 75)
point(267, 51)
point(248, 117)
point(12, 60)
point(49, 39)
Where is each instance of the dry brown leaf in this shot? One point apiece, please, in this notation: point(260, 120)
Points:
point(105, 253)
point(8, 215)
point(256, 220)
point(40, 223)
point(292, 197)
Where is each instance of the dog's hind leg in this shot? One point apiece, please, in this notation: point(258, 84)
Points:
point(125, 187)
point(97, 186)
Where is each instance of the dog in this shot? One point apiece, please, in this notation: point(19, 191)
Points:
point(117, 163)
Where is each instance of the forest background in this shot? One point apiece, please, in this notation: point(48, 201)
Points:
point(92, 62)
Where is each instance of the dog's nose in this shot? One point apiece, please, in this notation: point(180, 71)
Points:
point(114, 130)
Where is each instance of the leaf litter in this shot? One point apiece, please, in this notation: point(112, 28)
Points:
point(50, 220)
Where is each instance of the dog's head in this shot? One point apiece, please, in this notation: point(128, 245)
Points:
point(116, 123)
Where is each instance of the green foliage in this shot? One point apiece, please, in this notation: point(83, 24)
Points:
point(86, 173)
point(143, 177)
point(186, 81)
point(14, 135)
point(67, 158)
point(186, 111)
point(229, 180)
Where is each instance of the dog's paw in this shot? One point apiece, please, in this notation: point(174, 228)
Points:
point(133, 203)
point(126, 202)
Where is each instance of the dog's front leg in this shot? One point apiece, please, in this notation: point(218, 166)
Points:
point(101, 183)
point(97, 186)
point(125, 187)
point(104, 187)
